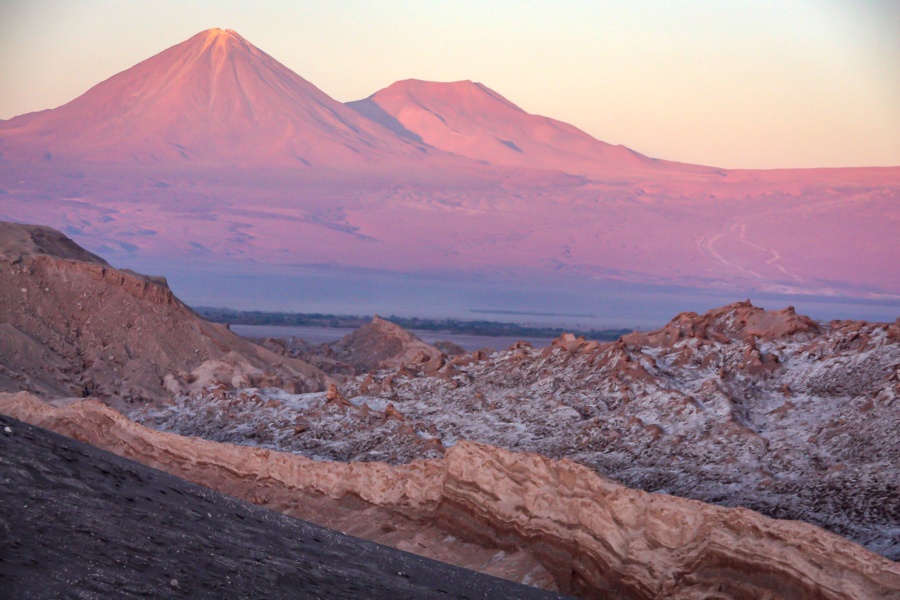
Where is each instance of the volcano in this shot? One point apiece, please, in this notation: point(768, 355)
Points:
point(212, 99)
point(472, 120)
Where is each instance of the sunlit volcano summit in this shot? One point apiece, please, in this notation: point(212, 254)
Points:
point(213, 98)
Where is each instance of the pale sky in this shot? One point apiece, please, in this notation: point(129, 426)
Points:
point(755, 84)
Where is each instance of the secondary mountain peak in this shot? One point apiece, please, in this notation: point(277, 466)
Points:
point(470, 119)
point(464, 94)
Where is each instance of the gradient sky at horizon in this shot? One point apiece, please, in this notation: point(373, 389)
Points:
point(754, 84)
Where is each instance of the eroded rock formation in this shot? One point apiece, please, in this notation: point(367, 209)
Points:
point(72, 325)
point(378, 344)
point(556, 519)
point(740, 407)
point(79, 522)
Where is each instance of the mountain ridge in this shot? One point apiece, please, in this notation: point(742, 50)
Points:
point(470, 119)
point(395, 122)
point(72, 325)
point(213, 98)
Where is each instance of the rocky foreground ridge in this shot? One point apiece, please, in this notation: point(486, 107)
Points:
point(740, 406)
point(72, 325)
point(592, 536)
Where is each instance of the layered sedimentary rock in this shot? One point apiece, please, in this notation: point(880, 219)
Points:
point(72, 325)
point(593, 537)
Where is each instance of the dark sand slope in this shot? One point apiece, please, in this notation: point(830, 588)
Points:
point(79, 522)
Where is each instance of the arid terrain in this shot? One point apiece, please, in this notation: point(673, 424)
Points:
point(521, 516)
point(514, 464)
point(80, 522)
point(741, 407)
point(737, 452)
point(75, 326)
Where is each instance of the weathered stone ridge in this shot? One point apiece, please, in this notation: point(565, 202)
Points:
point(595, 537)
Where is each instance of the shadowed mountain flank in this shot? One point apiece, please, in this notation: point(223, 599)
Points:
point(372, 111)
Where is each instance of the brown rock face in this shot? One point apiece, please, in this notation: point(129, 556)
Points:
point(75, 326)
point(450, 348)
point(738, 321)
point(558, 524)
point(379, 344)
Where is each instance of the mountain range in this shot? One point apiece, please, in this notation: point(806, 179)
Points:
point(213, 157)
point(216, 99)
point(212, 99)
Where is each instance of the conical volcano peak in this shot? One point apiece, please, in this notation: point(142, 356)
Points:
point(221, 42)
point(214, 98)
point(223, 46)
point(218, 32)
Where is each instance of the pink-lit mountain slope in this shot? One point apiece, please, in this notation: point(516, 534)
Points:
point(212, 99)
point(471, 120)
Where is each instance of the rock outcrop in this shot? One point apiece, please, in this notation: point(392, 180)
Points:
point(594, 537)
point(378, 344)
point(738, 321)
point(739, 407)
point(72, 325)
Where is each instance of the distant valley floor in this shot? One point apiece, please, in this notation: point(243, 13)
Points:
point(599, 305)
